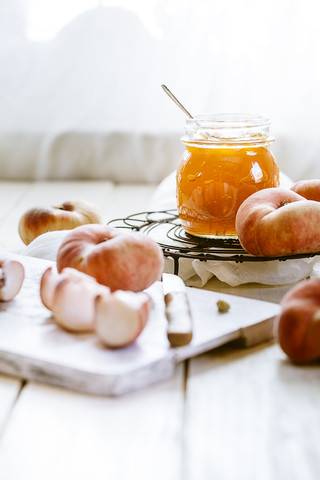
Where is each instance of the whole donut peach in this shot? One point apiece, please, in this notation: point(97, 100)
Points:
point(275, 222)
point(119, 259)
point(65, 216)
point(298, 325)
point(309, 189)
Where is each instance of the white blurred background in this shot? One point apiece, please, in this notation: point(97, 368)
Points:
point(80, 93)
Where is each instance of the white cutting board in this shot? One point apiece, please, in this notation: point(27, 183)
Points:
point(34, 348)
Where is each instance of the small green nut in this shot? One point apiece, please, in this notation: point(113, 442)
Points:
point(223, 306)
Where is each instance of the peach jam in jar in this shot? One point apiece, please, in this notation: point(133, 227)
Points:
point(227, 157)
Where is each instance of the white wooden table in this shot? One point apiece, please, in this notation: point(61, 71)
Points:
point(237, 414)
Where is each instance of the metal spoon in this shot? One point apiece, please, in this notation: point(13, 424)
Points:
point(204, 134)
point(176, 101)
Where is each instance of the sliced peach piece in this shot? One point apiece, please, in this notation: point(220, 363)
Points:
point(50, 280)
point(121, 317)
point(48, 283)
point(73, 304)
point(11, 279)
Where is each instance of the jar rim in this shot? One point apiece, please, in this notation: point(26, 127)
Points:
point(228, 128)
point(229, 120)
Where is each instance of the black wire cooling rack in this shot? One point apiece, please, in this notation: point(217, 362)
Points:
point(165, 228)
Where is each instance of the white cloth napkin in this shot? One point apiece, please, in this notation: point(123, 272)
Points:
point(45, 246)
point(196, 273)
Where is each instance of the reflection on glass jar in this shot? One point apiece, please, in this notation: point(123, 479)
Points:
point(227, 158)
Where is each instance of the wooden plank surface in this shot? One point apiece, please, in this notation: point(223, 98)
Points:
point(256, 416)
point(128, 199)
point(244, 414)
point(9, 391)
point(56, 434)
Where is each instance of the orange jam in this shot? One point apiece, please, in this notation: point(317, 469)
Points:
point(216, 174)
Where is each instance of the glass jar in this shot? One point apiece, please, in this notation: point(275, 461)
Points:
point(226, 159)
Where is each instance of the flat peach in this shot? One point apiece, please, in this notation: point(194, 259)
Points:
point(275, 222)
point(65, 216)
point(118, 259)
point(298, 325)
point(309, 189)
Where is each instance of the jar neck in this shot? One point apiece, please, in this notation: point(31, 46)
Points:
point(228, 129)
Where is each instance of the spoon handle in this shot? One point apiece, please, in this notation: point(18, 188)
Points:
point(176, 101)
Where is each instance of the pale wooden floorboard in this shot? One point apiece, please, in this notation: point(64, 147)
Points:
point(56, 434)
point(11, 194)
point(9, 390)
point(128, 199)
point(255, 414)
point(11, 197)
